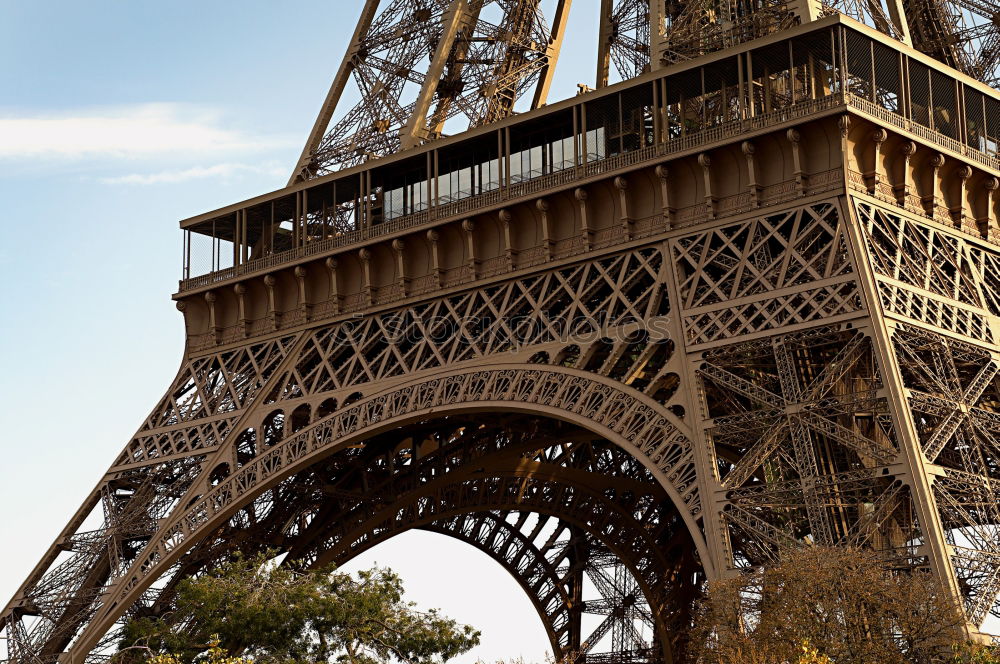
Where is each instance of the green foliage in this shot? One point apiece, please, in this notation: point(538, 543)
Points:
point(214, 655)
point(271, 614)
point(976, 653)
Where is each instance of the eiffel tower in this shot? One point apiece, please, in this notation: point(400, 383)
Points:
point(741, 295)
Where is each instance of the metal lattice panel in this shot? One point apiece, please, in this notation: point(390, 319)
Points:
point(610, 292)
point(800, 429)
point(195, 421)
point(884, 15)
point(954, 394)
point(698, 27)
point(365, 494)
point(960, 275)
point(674, 399)
point(231, 478)
point(415, 65)
point(964, 34)
point(765, 273)
point(623, 49)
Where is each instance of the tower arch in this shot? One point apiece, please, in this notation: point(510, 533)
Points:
point(549, 501)
point(629, 422)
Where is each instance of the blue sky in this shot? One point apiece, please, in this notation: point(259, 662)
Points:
point(117, 119)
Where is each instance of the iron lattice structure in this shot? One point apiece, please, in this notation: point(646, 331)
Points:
point(962, 33)
point(747, 298)
point(415, 65)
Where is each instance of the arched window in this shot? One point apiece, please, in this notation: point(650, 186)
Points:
point(654, 363)
point(273, 428)
point(300, 417)
point(541, 357)
point(246, 446)
point(568, 356)
point(598, 354)
point(665, 387)
point(627, 362)
point(326, 408)
point(218, 474)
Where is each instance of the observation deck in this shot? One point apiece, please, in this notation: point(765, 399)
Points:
point(671, 122)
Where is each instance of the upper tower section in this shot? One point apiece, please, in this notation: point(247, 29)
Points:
point(414, 66)
point(416, 69)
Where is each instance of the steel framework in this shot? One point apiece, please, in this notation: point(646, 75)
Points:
point(624, 344)
point(415, 65)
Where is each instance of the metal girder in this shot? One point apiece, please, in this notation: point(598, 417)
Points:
point(964, 34)
point(787, 407)
point(418, 65)
point(482, 58)
point(454, 487)
point(624, 39)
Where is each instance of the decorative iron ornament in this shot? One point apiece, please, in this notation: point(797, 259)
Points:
point(576, 459)
point(964, 34)
point(420, 67)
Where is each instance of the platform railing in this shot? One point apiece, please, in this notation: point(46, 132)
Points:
point(925, 133)
point(522, 189)
point(649, 154)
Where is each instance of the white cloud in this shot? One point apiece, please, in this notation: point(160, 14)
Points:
point(145, 130)
point(196, 173)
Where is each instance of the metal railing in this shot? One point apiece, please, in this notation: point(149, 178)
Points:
point(651, 153)
point(603, 238)
point(890, 117)
point(522, 189)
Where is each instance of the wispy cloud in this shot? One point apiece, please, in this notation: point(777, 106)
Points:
point(226, 170)
point(145, 130)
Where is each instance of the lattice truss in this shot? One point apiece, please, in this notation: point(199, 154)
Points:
point(212, 390)
point(69, 594)
point(954, 396)
point(548, 309)
point(415, 66)
point(484, 57)
point(577, 302)
point(949, 286)
point(283, 384)
point(879, 14)
point(801, 429)
point(932, 276)
point(207, 397)
point(784, 269)
point(697, 27)
point(964, 34)
point(549, 502)
point(624, 48)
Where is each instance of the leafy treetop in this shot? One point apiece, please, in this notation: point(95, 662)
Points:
point(268, 613)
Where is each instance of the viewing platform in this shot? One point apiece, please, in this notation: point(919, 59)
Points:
point(814, 111)
point(751, 89)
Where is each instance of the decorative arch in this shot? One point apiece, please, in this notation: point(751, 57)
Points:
point(623, 417)
point(611, 522)
point(538, 578)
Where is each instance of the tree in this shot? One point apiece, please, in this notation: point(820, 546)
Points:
point(832, 604)
point(976, 653)
point(268, 613)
